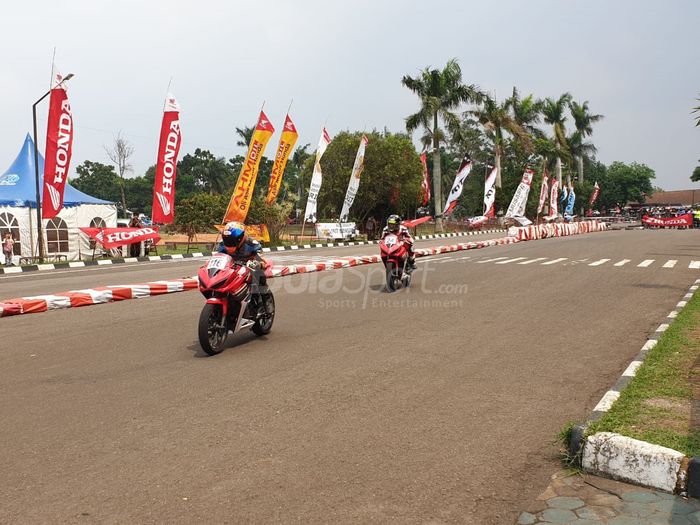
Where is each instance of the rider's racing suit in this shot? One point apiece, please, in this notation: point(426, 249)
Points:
point(250, 250)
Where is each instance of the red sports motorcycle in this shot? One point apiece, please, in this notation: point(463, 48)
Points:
point(394, 254)
point(233, 303)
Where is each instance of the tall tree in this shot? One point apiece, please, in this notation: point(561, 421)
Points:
point(554, 112)
point(246, 134)
point(299, 158)
point(583, 121)
point(440, 93)
point(212, 174)
point(120, 153)
point(97, 179)
point(496, 120)
point(526, 111)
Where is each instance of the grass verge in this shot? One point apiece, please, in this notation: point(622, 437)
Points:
point(661, 404)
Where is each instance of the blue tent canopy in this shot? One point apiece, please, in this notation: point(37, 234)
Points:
point(18, 187)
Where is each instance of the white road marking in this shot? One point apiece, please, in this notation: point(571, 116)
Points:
point(508, 261)
point(622, 262)
point(645, 263)
point(599, 262)
point(555, 261)
point(670, 263)
point(533, 260)
point(694, 265)
point(491, 260)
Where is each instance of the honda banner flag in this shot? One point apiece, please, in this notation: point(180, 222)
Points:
point(239, 205)
point(316, 178)
point(115, 237)
point(594, 195)
point(458, 185)
point(516, 210)
point(354, 183)
point(685, 221)
point(544, 189)
point(284, 150)
point(425, 183)
point(166, 165)
point(490, 194)
point(59, 147)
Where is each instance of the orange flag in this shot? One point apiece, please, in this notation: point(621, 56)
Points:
point(239, 205)
point(284, 149)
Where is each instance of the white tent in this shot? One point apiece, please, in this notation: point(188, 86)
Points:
point(62, 235)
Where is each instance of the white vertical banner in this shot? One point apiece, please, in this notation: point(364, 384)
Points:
point(516, 210)
point(457, 186)
point(354, 183)
point(544, 189)
point(316, 178)
point(553, 199)
point(490, 193)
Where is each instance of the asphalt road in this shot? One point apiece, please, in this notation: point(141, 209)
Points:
point(437, 404)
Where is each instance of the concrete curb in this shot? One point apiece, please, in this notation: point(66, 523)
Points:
point(199, 255)
point(619, 457)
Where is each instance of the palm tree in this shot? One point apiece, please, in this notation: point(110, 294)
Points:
point(526, 112)
point(697, 110)
point(299, 158)
point(554, 114)
point(440, 92)
point(583, 120)
point(496, 120)
point(246, 135)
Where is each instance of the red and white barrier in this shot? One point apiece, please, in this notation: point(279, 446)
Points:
point(543, 231)
point(89, 297)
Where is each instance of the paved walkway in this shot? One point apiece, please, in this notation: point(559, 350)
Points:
point(582, 499)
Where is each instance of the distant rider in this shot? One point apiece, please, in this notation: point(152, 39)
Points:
point(394, 227)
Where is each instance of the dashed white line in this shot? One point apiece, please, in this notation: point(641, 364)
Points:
point(508, 261)
point(645, 263)
point(622, 262)
point(491, 260)
point(694, 265)
point(670, 263)
point(599, 262)
point(533, 260)
point(555, 261)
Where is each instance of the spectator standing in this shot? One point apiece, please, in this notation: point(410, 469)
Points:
point(371, 228)
point(8, 246)
point(135, 248)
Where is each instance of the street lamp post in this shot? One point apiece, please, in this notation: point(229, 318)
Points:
point(40, 233)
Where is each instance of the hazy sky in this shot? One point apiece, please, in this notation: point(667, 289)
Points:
point(636, 62)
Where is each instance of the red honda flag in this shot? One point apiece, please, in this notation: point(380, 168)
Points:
point(594, 195)
point(59, 147)
point(114, 237)
point(425, 184)
point(166, 166)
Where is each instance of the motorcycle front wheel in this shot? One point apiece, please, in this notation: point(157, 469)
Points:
point(212, 329)
point(393, 277)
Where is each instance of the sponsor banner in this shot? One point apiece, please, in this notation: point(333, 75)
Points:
point(115, 237)
point(166, 165)
point(425, 183)
point(594, 195)
point(258, 232)
point(490, 193)
point(284, 150)
point(669, 222)
point(316, 178)
point(239, 205)
point(334, 230)
point(457, 186)
point(571, 200)
point(544, 189)
point(59, 148)
point(519, 202)
point(354, 183)
point(415, 222)
point(553, 199)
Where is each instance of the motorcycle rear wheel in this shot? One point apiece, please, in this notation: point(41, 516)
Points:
point(212, 329)
point(264, 325)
